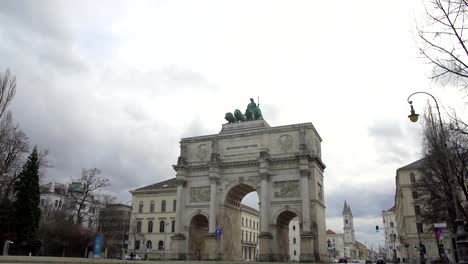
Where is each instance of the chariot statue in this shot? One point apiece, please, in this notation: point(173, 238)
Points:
point(252, 112)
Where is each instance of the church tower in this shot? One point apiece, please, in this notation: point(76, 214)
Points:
point(348, 228)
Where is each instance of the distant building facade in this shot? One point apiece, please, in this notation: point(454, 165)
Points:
point(409, 226)
point(250, 227)
point(59, 196)
point(344, 244)
point(113, 222)
point(294, 240)
point(392, 244)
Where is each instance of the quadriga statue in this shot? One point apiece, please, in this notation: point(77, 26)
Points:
point(252, 112)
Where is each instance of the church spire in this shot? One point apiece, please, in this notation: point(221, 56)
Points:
point(346, 208)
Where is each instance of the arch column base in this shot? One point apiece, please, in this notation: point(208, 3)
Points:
point(307, 247)
point(265, 241)
point(212, 245)
point(178, 247)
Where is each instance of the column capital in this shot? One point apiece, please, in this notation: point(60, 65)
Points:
point(180, 181)
point(264, 175)
point(305, 172)
point(213, 179)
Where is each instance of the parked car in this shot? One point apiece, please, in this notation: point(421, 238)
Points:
point(368, 261)
point(343, 260)
point(380, 261)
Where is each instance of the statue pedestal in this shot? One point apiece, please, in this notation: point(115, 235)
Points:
point(243, 126)
point(265, 247)
point(178, 247)
point(307, 248)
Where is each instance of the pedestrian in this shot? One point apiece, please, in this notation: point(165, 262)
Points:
point(146, 257)
point(132, 255)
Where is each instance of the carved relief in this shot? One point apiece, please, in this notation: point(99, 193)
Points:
point(286, 189)
point(202, 152)
point(285, 142)
point(199, 194)
point(229, 181)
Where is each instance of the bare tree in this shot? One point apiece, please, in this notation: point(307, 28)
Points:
point(7, 90)
point(445, 168)
point(14, 146)
point(91, 181)
point(443, 41)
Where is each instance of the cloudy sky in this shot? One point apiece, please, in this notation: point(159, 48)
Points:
point(116, 84)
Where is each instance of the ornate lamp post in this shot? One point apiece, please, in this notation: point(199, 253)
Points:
point(462, 243)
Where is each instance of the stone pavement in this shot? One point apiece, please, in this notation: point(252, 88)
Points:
point(60, 260)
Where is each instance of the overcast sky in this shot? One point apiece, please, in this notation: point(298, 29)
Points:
point(116, 84)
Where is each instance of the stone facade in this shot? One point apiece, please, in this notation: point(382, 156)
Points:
point(283, 164)
point(406, 218)
point(392, 243)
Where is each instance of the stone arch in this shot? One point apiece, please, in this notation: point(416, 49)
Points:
point(198, 233)
point(232, 218)
point(282, 219)
point(284, 209)
point(193, 214)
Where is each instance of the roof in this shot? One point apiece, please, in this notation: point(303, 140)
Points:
point(330, 232)
point(415, 165)
point(248, 208)
point(392, 209)
point(167, 184)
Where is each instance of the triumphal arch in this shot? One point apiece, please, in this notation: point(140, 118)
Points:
point(214, 172)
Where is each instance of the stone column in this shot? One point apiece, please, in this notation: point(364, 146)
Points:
point(178, 239)
point(264, 238)
point(212, 226)
point(305, 199)
point(178, 219)
point(212, 241)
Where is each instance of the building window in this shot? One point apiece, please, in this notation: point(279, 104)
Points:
point(152, 207)
point(415, 195)
point(174, 205)
point(294, 240)
point(163, 206)
point(294, 227)
point(250, 236)
point(149, 244)
point(250, 223)
point(417, 210)
point(419, 226)
point(412, 177)
point(242, 236)
point(294, 252)
point(137, 244)
point(161, 226)
point(56, 203)
point(138, 227)
point(140, 207)
point(42, 202)
point(160, 245)
point(173, 226)
point(242, 221)
point(150, 227)
point(346, 221)
point(60, 204)
point(391, 224)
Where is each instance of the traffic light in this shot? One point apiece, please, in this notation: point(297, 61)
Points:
point(423, 248)
point(406, 246)
point(415, 247)
point(377, 229)
point(329, 245)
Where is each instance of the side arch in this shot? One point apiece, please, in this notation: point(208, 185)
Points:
point(275, 215)
point(193, 214)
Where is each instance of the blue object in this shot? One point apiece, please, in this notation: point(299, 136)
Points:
point(97, 245)
point(218, 232)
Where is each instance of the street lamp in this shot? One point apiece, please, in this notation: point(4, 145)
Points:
point(462, 243)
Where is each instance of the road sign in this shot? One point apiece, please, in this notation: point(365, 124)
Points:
point(440, 225)
point(218, 232)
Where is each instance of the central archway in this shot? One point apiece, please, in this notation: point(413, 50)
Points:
point(233, 236)
point(198, 231)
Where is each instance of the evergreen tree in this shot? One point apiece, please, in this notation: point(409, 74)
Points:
point(28, 213)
